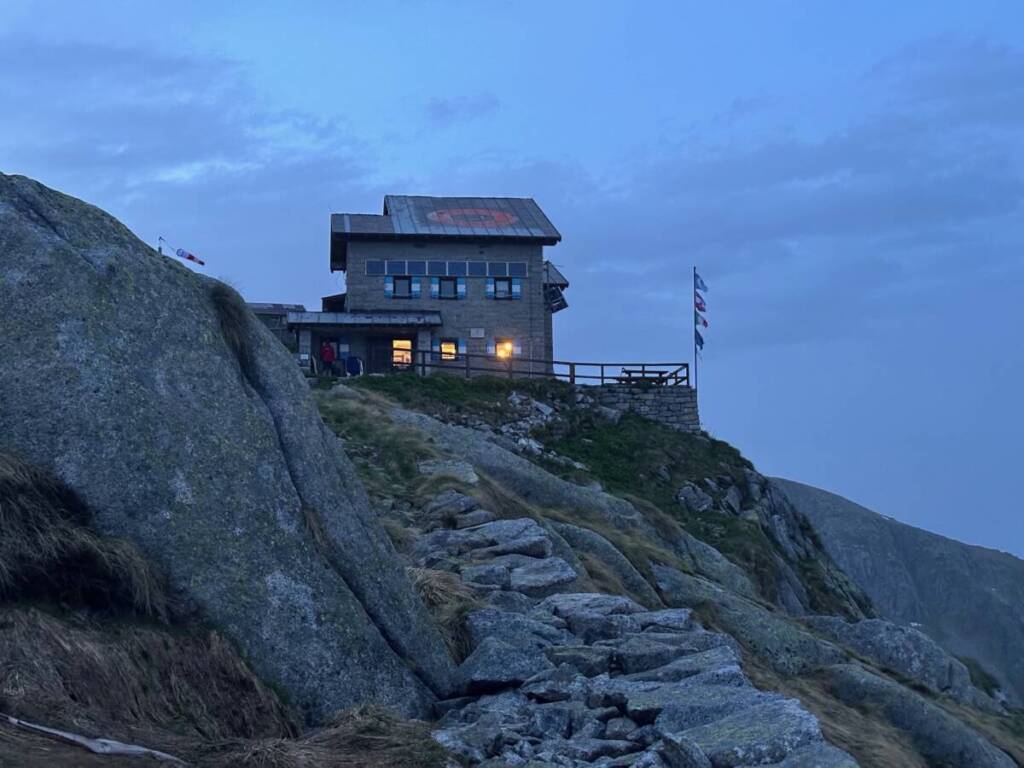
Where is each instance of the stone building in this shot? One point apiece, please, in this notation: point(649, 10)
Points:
point(442, 281)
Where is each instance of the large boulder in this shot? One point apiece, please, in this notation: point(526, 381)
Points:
point(187, 427)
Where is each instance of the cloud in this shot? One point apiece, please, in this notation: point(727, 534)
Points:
point(458, 109)
point(183, 146)
point(842, 226)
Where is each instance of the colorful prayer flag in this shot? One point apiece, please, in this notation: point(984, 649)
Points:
point(698, 302)
point(698, 339)
point(698, 319)
point(698, 282)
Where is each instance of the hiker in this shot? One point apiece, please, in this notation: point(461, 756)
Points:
point(327, 357)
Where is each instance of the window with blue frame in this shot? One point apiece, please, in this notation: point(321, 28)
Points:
point(375, 267)
point(448, 288)
point(457, 268)
point(437, 267)
point(497, 269)
point(416, 267)
point(517, 269)
point(396, 267)
point(477, 268)
point(403, 288)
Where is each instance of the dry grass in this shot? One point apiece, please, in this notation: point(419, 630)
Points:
point(144, 685)
point(48, 554)
point(365, 737)
point(865, 734)
point(448, 600)
point(401, 537)
point(233, 317)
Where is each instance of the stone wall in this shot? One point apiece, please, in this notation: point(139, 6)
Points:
point(675, 407)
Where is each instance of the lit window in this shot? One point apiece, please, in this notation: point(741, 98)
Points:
point(449, 349)
point(503, 287)
point(401, 352)
point(403, 288)
point(449, 288)
point(504, 348)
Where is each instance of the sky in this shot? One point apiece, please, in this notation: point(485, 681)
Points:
point(847, 177)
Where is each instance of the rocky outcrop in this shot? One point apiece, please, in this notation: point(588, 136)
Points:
point(591, 679)
point(940, 737)
point(909, 653)
point(968, 599)
point(186, 427)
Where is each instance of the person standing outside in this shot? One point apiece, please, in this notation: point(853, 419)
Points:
point(327, 357)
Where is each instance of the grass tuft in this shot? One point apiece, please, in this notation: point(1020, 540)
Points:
point(48, 554)
point(233, 317)
point(364, 737)
point(449, 601)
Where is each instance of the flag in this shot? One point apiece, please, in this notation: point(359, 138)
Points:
point(698, 302)
point(698, 339)
point(181, 253)
point(698, 319)
point(699, 283)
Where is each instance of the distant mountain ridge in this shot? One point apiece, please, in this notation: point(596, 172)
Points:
point(968, 598)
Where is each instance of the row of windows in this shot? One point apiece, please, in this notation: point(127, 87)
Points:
point(400, 287)
point(447, 268)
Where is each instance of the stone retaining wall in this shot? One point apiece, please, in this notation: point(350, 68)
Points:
point(675, 407)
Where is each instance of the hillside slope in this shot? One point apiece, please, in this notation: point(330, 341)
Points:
point(614, 587)
point(969, 599)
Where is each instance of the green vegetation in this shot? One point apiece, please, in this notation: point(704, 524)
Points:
point(981, 677)
point(644, 461)
point(386, 456)
point(445, 396)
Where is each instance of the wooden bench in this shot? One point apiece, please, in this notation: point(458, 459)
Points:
point(634, 375)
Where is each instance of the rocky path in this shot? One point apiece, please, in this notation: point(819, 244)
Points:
point(560, 677)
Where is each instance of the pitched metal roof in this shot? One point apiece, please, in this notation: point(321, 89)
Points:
point(364, 319)
point(410, 217)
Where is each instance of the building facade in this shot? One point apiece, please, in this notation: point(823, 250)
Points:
point(459, 282)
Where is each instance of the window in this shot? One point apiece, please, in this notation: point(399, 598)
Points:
point(497, 269)
point(449, 349)
point(457, 268)
point(437, 267)
point(477, 268)
point(517, 269)
point(403, 288)
point(396, 267)
point(504, 348)
point(417, 267)
point(502, 288)
point(448, 288)
point(375, 267)
point(401, 353)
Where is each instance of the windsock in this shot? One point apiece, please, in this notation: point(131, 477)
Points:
point(181, 253)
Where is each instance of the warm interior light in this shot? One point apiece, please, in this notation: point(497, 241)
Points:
point(401, 352)
point(448, 350)
point(503, 349)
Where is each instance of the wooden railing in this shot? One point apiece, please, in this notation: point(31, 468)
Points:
point(658, 374)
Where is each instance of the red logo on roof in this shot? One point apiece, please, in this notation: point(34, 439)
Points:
point(473, 217)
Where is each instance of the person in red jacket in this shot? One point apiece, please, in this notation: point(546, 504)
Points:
point(327, 357)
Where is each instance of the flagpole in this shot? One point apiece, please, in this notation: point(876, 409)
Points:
point(694, 299)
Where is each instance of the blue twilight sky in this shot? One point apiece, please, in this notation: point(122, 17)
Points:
point(849, 178)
